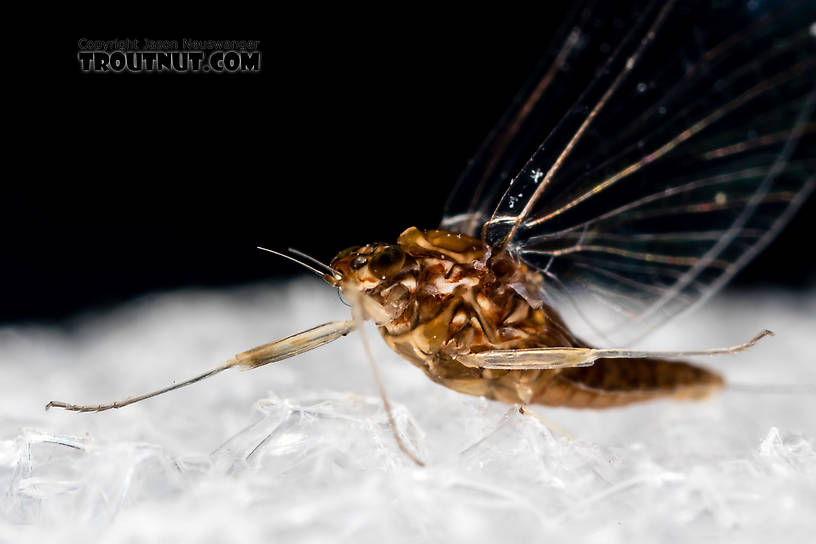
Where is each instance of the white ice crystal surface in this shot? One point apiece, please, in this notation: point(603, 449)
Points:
point(301, 451)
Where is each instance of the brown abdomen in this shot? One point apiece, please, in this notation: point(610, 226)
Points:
point(617, 382)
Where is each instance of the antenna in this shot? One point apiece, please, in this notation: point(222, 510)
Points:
point(313, 269)
point(331, 270)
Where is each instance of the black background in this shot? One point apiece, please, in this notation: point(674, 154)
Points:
point(357, 127)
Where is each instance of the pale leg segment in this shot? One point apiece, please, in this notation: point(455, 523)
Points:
point(550, 358)
point(253, 358)
point(359, 318)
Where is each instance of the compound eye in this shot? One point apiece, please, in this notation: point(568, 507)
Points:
point(387, 262)
point(358, 262)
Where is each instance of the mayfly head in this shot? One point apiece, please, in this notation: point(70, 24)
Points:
point(381, 277)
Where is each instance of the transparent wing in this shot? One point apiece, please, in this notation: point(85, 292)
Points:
point(581, 44)
point(683, 157)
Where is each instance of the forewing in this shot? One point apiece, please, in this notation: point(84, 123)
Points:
point(684, 156)
point(575, 51)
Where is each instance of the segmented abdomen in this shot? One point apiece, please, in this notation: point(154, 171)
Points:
point(617, 382)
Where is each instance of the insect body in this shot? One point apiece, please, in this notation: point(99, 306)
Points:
point(442, 298)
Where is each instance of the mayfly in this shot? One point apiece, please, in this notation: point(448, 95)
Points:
point(670, 143)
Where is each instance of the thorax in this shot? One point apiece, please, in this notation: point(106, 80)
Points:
point(461, 296)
